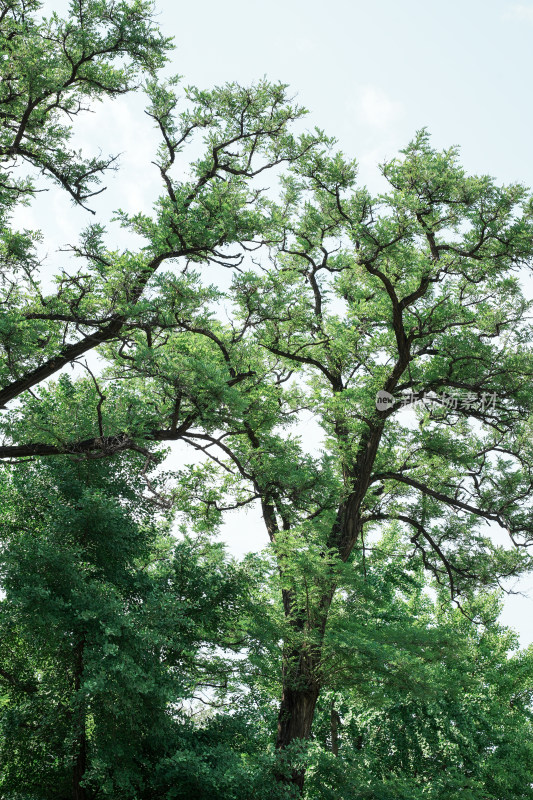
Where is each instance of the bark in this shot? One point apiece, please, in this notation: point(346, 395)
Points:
point(301, 681)
point(295, 718)
point(301, 689)
point(296, 713)
point(80, 765)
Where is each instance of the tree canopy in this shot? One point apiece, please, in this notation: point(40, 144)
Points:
point(393, 330)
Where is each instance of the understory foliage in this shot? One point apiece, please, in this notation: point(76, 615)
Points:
point(107, 626)
point(154, 663)
point(357, 367)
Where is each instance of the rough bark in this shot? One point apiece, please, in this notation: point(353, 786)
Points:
point(295, 718)
point(296, 713)
point(301, 688)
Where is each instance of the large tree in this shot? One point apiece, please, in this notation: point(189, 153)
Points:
point(414, 294)
point(402, 324)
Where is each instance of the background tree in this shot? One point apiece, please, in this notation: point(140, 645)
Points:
point(108, 630)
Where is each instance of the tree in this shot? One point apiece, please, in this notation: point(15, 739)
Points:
point(414, 295)
point(108, 629)
point(50, 69)
point(411, 296)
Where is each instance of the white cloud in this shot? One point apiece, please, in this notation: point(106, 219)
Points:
point(521, 12)
point(376, 108)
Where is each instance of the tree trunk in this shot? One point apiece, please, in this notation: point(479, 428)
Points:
point(80, 762)
point(297, 707)
point(295, 717)
point(80, 765)
point(301, 678)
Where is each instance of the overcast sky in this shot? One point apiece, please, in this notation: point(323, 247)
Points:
point(371, 74)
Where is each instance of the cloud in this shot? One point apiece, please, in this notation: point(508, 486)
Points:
point(521, 12)
point(376, 108)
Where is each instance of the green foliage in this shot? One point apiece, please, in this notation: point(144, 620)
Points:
point(414, 294)
point(429, 704)
point(106, 626)
point(50, 68)
point(466, 733)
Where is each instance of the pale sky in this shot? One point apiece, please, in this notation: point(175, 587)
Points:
point(371, 73)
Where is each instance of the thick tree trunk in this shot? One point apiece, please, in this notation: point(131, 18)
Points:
point(295, 718)
point(298, 701)
point(296, 713)
point(301, 679)
point(80, 765)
